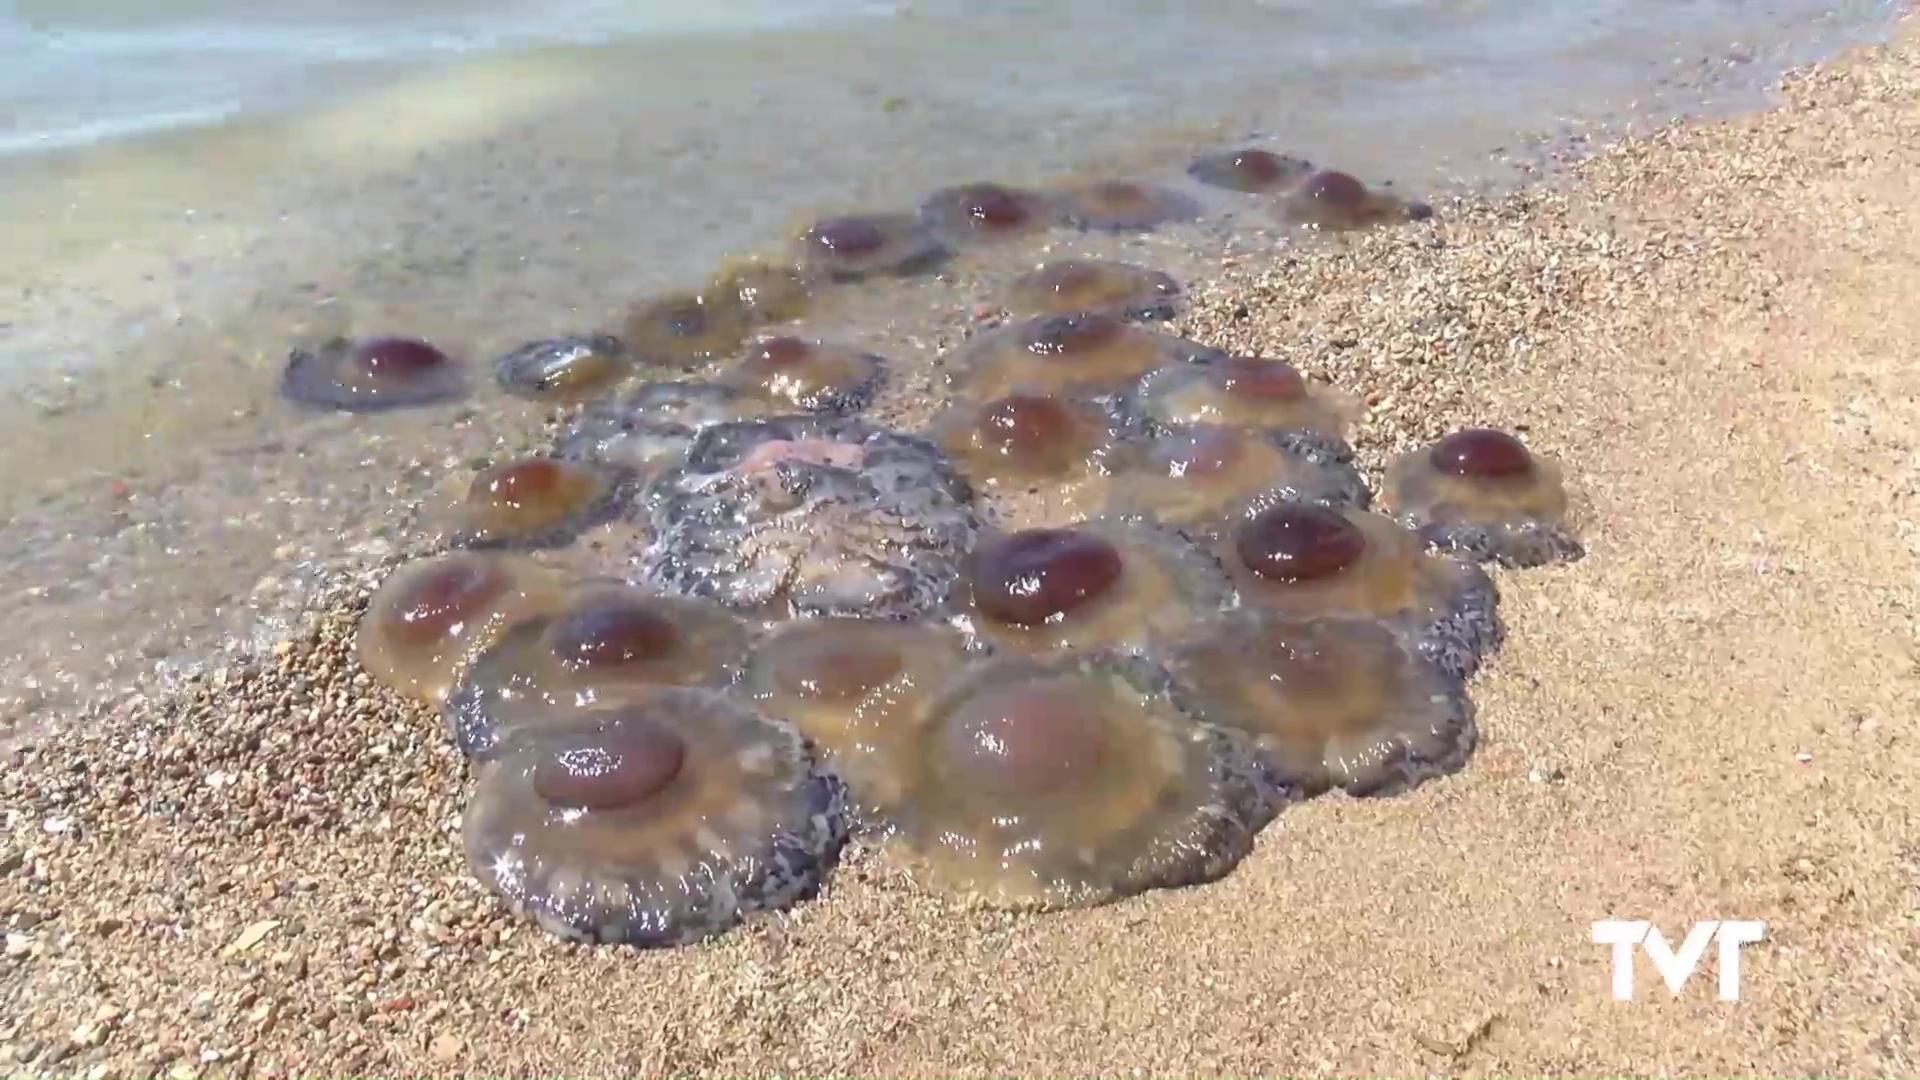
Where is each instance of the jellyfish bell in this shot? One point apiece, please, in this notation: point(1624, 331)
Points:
point(563, 370)
point(1481, 494)
point(1098, 286)
point(858, 246)
point(685, 329)
point(1056, 354)
point(652, 427)
point(429, 618)
point(371, 374)
point(765, 292)
point(1123, 206)
point(1337, 201)
point(793, 373)
point(1251, 392)
point(1248, 169)
point(530, 502)
point(1195, 476)
point(986, 212)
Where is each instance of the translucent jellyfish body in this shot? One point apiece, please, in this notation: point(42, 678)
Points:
point(1332, 702)
point(603, 642)
point(536, 502)
point(1198, 476)
point(1123, 206)
point(805, 516)
point(1024, 439)
point(1252, 392)
point(685, 329)
point(1110, 583)
point(1250, 170)
point(982, 212)
point(653, 426)
point(1055, 354)
point(867, 245)
point(563, 370)
point(1074, 782)
point(858, 689)
point(793, 373)
point(1099, 286)
point(656, 822)
point(1481, 494)
point(1308, 560)
point(429, 618)
point(1336, 201)
point(764, 292)
point(371, 373)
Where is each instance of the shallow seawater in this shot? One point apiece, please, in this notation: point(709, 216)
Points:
point(484, 174)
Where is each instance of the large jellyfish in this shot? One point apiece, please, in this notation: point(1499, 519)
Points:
point(1482, 495)
point(372, 373)
point(1252, 392)
point(1123, 206)
point(563, 370)
point(793, 373)
point(537, 502)
point(653, 426)
point(1054, 354)
point(971, 213)
point(860, 246)
point(1249, 170)
point(1196, 476)
point(1097, 286)
point(1337, 201)
point(429, 618)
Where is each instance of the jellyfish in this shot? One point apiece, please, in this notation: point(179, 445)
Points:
point(1110, 583)
point(1073, 781)
point(1336, 201)
point(1124, 206)
point(1098, 286)
point(868, 245)
point(373, 373)
point(1248, 170)
point(764, 292)
point(810, 517)
point(794, 373)
point(1310, 560)
point(1055, 354)
point(653, 426)
point(430, 617)
point(537, 502)
point(655, 822)
point(1482, 495)
point(857, 688)
point(1332, 701)
point(563, 370)
point(602, 642)
point(1195, 476)
point(973, 213)
point(685, 329)
point(1252, 392)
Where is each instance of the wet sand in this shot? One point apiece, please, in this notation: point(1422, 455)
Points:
point(1709, 717)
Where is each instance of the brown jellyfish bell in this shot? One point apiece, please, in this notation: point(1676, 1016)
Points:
point(1332, 702)
point(1309, 560)
point(654, 822)
point(1195, 476)
point(1023, 441)
point(685, 329)
point(1336, 201)
point(1073, 782)
point(796, 373)
point(601, 642)
point(563, 370)
point(859, 246)
point(1248, 169)
point(1055, 354)
point(1099, 286)
point(985, 212)
point(533, 502)
point(1483, 495)
point(429, 618)
point(1249, 392)
point(1109, 583)
point(371, 373)
point(766, 292)
point(1123, 206)
point(856, 688)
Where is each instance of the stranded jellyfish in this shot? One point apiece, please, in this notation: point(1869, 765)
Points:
point(601, 643)
point(764, 292)
point(1099, 286)
point(1073, 782)
point(1332, 702)
point(1336, 201)
point(1249, 170)
point(977, 212)
point(563, 370)
point(536, 502)
point(690, 328)
point(851, 248)
point(1309, 560)
point(857, 688)
point(654, 425)
point(429, 618)
point(1481, 494)
point(793, 373)
point(1024, 439)
point(371, 373)
point(1252, 392)
point(1124, 206)
point(655, 822)
point(810, 516)
point(1058, 353)
point(1195, 476)
point(1110, 583)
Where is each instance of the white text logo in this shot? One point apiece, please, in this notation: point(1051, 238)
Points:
point(1677, 968)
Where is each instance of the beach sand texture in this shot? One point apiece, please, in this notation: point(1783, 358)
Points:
point(1712, 716)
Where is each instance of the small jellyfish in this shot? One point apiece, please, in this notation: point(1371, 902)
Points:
point(794, 373)
point(856, 247)
point(1310, 560)
point(1124, 206)
point(653, 426)
point(857, 688)
point(1332, 702)
point(1482, 495)
point(536, 502)
point(1252, 392)
point(1336, 201)
point(809, 516)
point(602, 642)
point(1110, 583)
point(1195, 476)
point(765, 292)
point(371, 373)
point(1099, 286)
point(655, 822)
point(1025, 439)
point(563, 370)
point(972, 213)
point(429, 618)
point(1055, 354)
point(1249, 170)
point(691, 328)
point(1075, 781)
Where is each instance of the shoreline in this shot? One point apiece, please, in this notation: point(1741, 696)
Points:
point(1710, 717)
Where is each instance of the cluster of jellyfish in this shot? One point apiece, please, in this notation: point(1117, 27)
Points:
point(812, 634)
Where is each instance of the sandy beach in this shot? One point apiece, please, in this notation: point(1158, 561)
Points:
point(1710, 717)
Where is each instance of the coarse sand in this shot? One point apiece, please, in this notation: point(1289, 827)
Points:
point(1712, 716)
